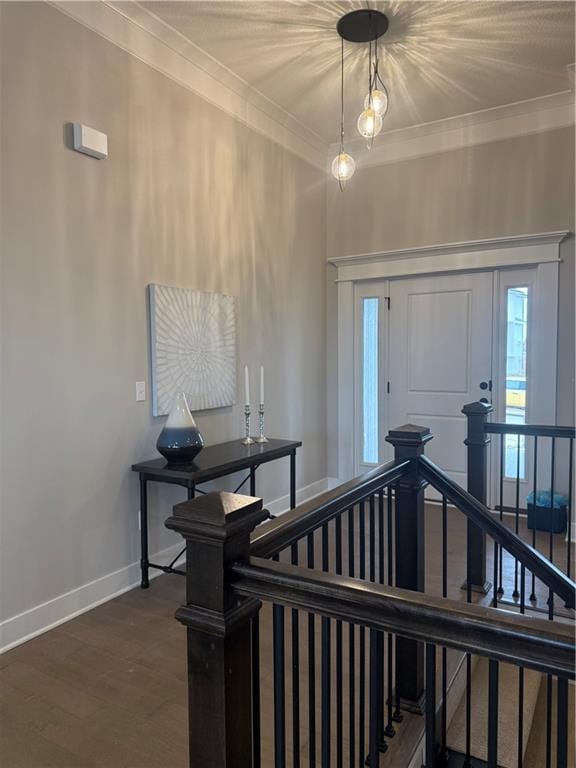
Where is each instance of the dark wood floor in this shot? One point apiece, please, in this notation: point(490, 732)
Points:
point(108, 689)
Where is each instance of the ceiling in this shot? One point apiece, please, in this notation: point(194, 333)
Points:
point(440, 59)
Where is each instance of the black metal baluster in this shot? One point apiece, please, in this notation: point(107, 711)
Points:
point(389, 730)
point(362, 645)
point(492, 714)
point(570, 481)
point(552, 472)
point(520, 715)
point(381, 537)
point(351, 652)
point(549, 693)
point(551, 520)
point(374, 721)
point(516, 593)
point(468, 707)
point(521, 674)
point(295, 675)
point(548, 721)
point(495, 575)
point(430, 705)
point(375, 691)
point(339, 676)
point(326, 665)
point(495, 565)
point(500, 557)
point(372, 540)
point(468, 698)
point(444, 715)
point(381, 682)
point(534, 492)
point(311, 667)
point(562, 723)
point(255, 643)
point(279, 687)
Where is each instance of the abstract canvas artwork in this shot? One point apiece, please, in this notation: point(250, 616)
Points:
point(193, 345)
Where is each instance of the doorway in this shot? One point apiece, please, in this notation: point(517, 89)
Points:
point(427, 345)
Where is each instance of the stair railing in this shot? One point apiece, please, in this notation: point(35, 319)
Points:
point(354, 559)
point(550, 451)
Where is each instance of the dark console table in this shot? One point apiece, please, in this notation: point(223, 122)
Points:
point(212, 462)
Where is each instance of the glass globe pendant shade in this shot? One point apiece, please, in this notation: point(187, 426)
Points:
point(369, 123)
point(343, 167)
point(379, 102)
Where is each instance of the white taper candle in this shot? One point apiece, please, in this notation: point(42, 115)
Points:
point(262, 384)
point(246, 385)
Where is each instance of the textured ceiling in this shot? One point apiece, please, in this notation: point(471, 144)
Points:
point(440, 59)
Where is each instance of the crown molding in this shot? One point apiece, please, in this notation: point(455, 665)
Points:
point(520, 118)
point(141, 34)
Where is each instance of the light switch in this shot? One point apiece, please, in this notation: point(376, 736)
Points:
point(140, 391)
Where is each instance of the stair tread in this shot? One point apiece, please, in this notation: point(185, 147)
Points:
point(507, 714)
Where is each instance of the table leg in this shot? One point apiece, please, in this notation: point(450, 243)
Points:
point(191, 491)
point(293, 480)
point(144, 582)
point(253, 481)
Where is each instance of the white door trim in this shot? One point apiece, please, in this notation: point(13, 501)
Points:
point(524, 250)
point(542, 250)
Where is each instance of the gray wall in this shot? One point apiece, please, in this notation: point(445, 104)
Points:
point(187, 197)
point(518, 186)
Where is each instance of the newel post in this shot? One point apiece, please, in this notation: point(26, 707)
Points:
point(409, 442)
point(217, 530)
point(477, 442)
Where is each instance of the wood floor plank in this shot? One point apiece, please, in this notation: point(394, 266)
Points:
point(108, 689)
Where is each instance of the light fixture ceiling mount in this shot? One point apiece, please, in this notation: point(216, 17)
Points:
point(362, 26)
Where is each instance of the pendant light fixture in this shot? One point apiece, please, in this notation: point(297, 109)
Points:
point(343, 165)
point(362, 26)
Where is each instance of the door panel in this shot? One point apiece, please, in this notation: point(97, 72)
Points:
point(440, 353)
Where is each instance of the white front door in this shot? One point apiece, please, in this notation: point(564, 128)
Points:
point(440, 358)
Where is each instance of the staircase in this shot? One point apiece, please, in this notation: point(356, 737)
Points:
point(358, 644)
point(508, 715)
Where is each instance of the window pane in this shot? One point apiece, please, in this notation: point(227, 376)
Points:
point(370, 380)
point(516, 346)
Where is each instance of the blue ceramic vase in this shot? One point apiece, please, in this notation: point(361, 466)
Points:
point(180, 440)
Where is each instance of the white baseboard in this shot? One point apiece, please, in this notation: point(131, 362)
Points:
point(23, 627)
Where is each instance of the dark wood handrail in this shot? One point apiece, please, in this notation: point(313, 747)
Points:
point(275, 535)
point(490, 632)
point(535, 562)
point(538, 430)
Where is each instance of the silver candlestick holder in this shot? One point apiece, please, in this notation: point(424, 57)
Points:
point(247, 440)
point(261, 438)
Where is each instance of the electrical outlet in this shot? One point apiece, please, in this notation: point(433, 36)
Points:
point(140, 391)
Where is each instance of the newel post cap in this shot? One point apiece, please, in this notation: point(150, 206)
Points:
point(217, 515)
point(477, 409)
point(409, 435)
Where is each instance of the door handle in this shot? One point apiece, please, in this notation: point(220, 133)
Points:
point(483, 385)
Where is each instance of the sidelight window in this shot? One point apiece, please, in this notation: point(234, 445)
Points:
point(370, 309)
point(516, 377)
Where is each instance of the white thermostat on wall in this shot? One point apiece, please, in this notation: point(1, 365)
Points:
point(90, 141)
